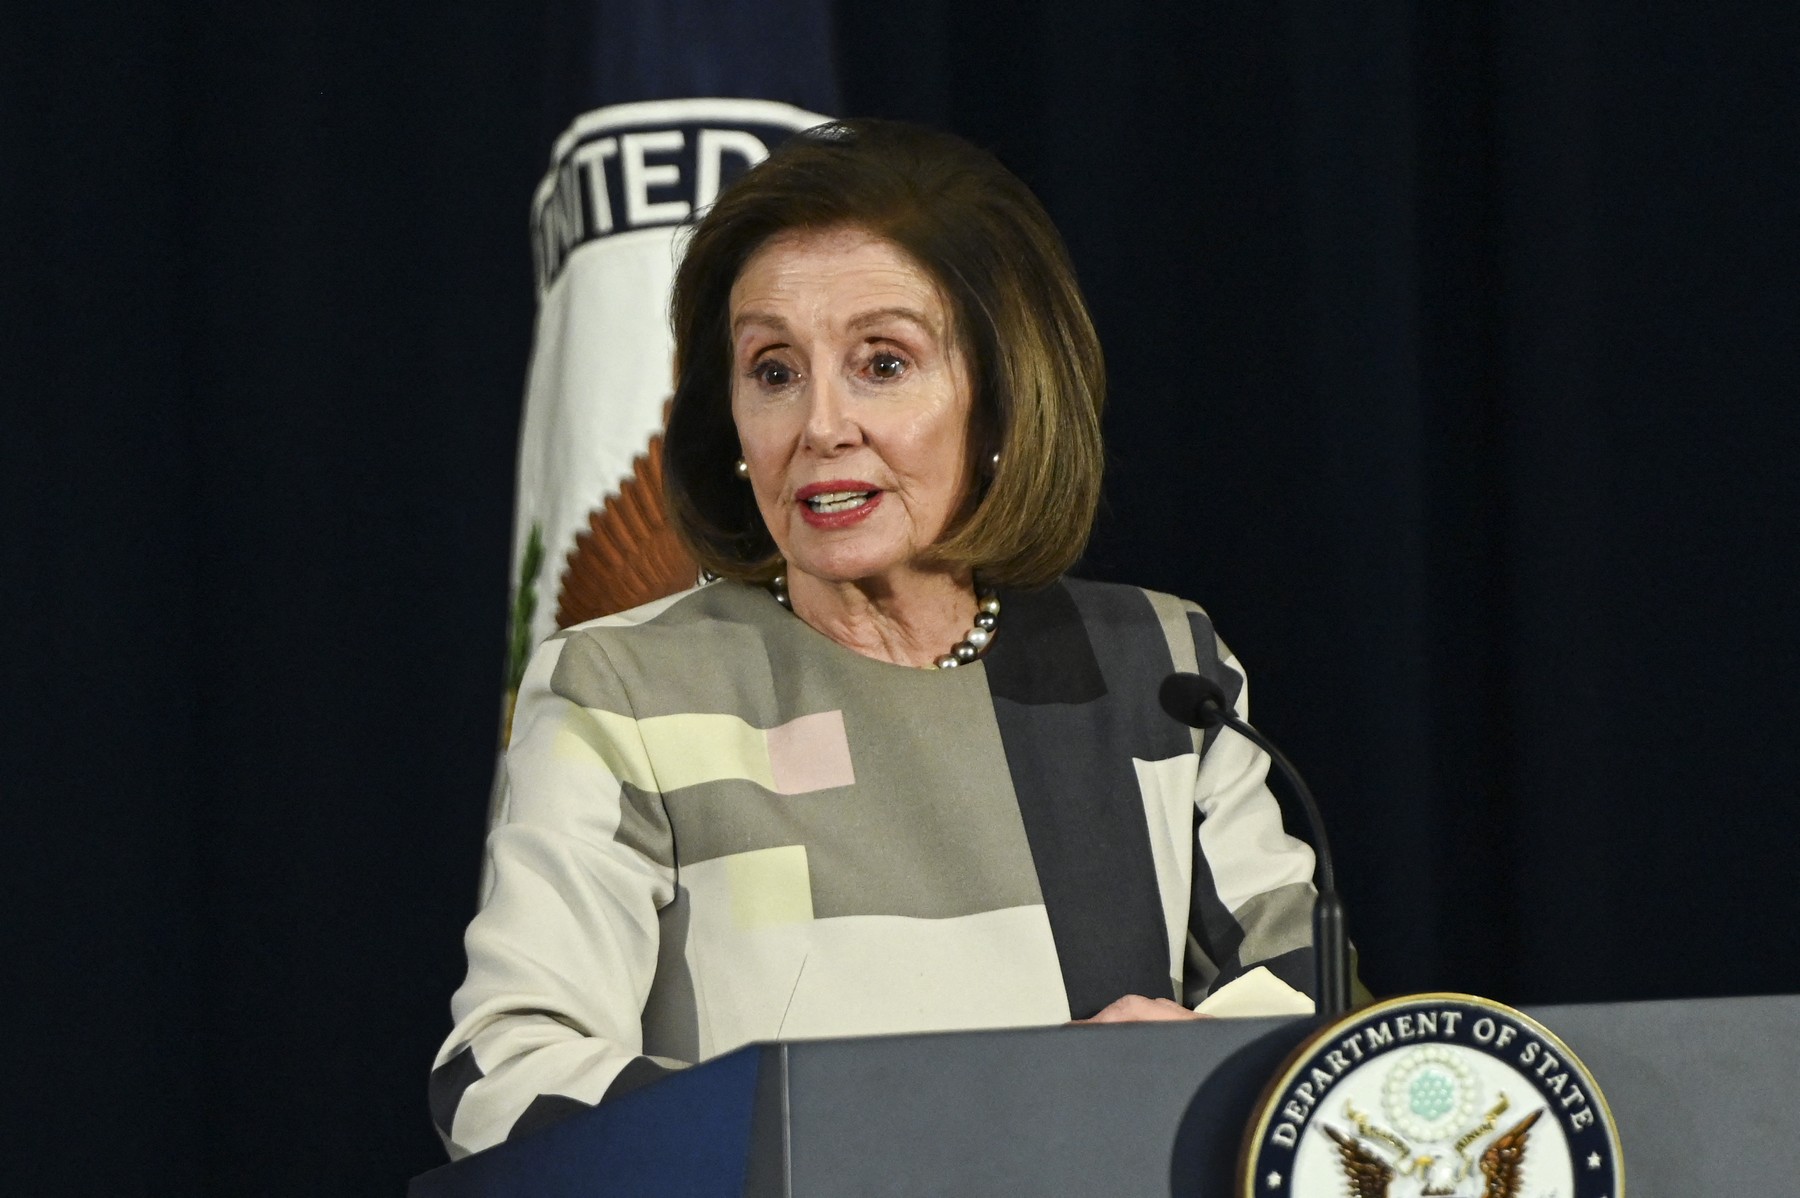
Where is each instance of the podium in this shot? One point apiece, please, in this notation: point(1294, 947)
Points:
point(1706, 1095)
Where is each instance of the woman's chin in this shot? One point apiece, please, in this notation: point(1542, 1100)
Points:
point(841, 569)
point(837, 574)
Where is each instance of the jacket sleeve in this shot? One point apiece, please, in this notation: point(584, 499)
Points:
point(563, 951)
point(1252, 883)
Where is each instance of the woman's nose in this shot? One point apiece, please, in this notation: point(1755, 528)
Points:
point(830, 427)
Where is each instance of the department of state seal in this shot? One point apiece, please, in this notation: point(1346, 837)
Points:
point(1432, 1096)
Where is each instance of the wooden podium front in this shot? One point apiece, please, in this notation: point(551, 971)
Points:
point(1706, 1094)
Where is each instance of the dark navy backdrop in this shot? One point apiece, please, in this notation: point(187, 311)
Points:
point(1451, 349)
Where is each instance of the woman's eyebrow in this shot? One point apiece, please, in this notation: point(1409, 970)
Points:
point(857, 323)
point(878, 315)
point(766, 320)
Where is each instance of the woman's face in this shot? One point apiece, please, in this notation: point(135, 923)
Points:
point(851, 402)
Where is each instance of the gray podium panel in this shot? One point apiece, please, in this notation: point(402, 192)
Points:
point(1705, 1092)
point(1113, 1109)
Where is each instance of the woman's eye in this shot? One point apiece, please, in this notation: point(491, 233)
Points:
point(887, 366)
point(771, 373)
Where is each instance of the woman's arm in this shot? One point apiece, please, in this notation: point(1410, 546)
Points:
point(563, 952)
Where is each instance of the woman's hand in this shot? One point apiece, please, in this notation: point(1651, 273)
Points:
point(1135, 1008)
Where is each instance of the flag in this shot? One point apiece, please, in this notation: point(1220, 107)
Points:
point(661, 103)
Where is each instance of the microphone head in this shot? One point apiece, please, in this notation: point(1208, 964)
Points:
point(1192, 699)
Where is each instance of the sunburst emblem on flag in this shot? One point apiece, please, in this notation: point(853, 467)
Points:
point(628, 555)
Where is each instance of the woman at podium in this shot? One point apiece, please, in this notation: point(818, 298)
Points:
point(891, 769)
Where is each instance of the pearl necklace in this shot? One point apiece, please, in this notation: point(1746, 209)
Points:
point(974, 642)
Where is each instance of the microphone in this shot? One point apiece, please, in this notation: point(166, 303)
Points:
point(1199, 703)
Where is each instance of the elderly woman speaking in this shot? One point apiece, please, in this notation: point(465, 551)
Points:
point(890, 770)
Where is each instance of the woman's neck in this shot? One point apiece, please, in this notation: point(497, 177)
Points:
point(909, 619)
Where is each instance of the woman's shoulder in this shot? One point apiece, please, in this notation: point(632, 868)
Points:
point(1121, 618)
point(1123, 592)
point(1077, 641)
point(1122, 607)
point(713, 626)
point(717, 603)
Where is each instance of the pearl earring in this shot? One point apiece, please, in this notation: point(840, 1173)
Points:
point(741, 468)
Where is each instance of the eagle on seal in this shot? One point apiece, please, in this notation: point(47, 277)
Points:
point(1370, 1176)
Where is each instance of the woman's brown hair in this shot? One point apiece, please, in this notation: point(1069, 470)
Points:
point(1016, 313)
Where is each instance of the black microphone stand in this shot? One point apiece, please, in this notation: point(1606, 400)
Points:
point(1205, 705)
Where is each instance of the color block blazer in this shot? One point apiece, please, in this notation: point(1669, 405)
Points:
point(723, 827)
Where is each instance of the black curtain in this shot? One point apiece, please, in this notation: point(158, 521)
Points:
point(1451, 349)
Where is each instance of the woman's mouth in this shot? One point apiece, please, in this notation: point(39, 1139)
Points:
point(837, 503)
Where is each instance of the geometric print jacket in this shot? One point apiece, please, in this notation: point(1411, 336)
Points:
point(723, 827)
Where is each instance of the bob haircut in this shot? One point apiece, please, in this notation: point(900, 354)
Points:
point(1016, 314)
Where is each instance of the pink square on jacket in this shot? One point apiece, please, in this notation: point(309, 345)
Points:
point(810, 753)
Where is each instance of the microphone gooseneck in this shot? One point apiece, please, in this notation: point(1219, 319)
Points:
point(1198, 702)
